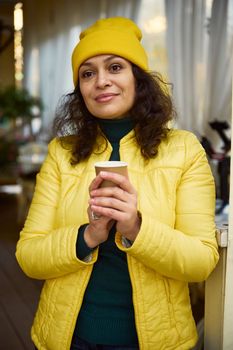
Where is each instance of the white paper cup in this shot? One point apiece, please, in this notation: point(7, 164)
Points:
point(118, 167)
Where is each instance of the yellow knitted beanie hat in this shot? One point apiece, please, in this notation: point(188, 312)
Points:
point(118, 35)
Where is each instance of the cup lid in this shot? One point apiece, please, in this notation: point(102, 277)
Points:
point(110, 163)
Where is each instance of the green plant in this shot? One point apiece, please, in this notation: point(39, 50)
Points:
point(17, 109)
point(17, 102)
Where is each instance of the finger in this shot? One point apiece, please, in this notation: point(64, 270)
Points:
point(115, 203)
point(96, 218)
point(120, 180)
point(115, 192)
point(113, 214)
point(95, 183)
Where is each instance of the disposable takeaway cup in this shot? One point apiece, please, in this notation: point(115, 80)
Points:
point(118, 167)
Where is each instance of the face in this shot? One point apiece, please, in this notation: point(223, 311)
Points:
point(107, 85)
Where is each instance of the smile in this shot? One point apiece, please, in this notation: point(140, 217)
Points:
point(105, 97)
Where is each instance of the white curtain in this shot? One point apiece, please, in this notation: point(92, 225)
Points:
point(218, 98)
point(51, 30)
point(124, 8)
point(186, 42)
point(200, 62)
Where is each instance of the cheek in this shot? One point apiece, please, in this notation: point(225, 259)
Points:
point(84, 89)
point(84, 93)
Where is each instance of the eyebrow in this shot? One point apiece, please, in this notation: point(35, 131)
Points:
point(109, 58)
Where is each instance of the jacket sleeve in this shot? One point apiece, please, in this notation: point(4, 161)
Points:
point(188, 251)
point(45, 251)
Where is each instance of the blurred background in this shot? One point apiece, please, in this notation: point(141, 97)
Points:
point(188, 41)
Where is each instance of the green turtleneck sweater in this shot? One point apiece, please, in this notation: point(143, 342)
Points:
point(107, 313)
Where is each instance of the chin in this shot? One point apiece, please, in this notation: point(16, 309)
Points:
point(110, 117)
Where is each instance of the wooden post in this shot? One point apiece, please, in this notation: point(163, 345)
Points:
point(228, 300)
point(214, 305)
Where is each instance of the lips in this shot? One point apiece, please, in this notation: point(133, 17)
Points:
point(105, 97)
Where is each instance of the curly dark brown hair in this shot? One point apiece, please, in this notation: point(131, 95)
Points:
point(152, 110)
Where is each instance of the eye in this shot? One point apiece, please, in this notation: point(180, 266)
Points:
point(115, 67)
point(86, 74)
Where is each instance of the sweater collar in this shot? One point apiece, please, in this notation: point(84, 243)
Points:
point(116, 129)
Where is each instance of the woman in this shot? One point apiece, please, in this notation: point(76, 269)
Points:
point(117, 261)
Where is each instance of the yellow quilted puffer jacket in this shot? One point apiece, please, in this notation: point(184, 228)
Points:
point(176, 243)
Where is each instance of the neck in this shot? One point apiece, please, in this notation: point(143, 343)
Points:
point(115, 129)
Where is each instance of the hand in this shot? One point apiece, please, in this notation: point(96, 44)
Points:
point(116, 203)
point(98, 229)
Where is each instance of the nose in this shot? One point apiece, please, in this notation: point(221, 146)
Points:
point(103, 79)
